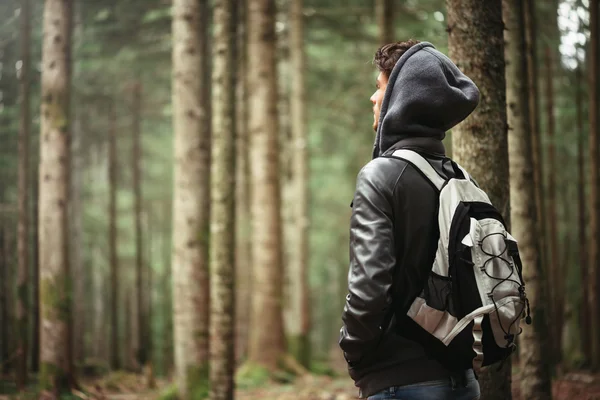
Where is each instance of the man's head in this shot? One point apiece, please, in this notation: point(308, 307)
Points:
point(385, 59)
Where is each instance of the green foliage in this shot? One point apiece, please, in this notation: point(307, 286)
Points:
point(322, 368)
point(197, 382)
point(299, 348)
point(169, 393)
point(251, 375)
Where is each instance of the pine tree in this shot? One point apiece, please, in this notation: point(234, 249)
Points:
point(23, 229)
point(476, 44)
point(55, 343)
point(267, 341)
point(535, 373)
point(222, 226)
point(191, 193)
point(112, 239)
point(594, 247)
point(298, 263)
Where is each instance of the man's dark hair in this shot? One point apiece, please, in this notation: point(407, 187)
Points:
point(387, 55)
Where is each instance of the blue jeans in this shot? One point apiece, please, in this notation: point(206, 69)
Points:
point(444, 389)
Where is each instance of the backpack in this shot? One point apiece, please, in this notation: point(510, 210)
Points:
point(469, 310)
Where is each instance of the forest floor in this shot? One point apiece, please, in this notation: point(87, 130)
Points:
point(571, 386)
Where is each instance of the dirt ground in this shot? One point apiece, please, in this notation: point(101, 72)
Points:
point(571, 386)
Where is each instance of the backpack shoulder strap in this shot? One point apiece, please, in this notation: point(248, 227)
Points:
point(465, 173)
point(421, 164)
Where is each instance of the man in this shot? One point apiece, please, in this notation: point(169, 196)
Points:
point(394, 227)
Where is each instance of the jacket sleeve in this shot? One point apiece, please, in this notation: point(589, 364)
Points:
point(372, 260)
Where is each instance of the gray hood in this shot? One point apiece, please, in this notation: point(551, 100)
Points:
point(426, 95)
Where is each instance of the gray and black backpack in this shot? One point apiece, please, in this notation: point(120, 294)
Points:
point(469, 311)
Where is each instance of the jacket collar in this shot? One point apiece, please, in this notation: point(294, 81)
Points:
point(426, 145)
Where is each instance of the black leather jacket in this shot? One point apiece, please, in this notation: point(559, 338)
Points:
point(393, 239)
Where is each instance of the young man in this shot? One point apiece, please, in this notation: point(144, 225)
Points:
point(394, 226)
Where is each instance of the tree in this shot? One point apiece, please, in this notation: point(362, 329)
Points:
point(584, 320)
point(35, 276)
point(554, 266)
point(594, 247)
point(243, 266)
point(267, 340)
point(112, 239)
point(534, 122)
point(384, 12)
point(76, 233)
point(300, 326)
point(136, 158)
point(190, 213)
point(5, 354)
point(23, 229)
point(222, 226)
point(55, 343)
point(535, 373)
point(476, 44)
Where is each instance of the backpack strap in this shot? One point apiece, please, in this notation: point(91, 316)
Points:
point(422, 165)
point(464, 171)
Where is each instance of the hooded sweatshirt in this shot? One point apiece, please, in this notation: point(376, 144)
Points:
point(393, 228)
point(426, 95)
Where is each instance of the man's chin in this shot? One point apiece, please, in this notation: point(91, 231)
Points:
point(375, 127)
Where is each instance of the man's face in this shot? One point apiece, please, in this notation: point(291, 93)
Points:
point(377, 98)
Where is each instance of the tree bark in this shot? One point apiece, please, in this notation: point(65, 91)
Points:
point(35, 267)
point(267, 341)
point(55, 355)
point(299, 335)
point(4, 312)
point(384, 12)
point(222, 226)
point(554, 262)
point(536, 153)
point(136, 159)
point(191, 190)
point(584, 319)
point(22, 310)
point(594, 246)
point(112, 239)
point(78, 272)
point(243, 266)
point(535, 374)
point(476, 44)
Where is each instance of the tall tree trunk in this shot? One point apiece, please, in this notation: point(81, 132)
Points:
point(35, 266)
point(267, 341)
point(243, 266)
point(594, 258)
point(76, 239)
point(167, 336)
point(56, 363)
point(384, 12)
point(112, 239)
point(4, 312)
point(149, 227)
point(98, 283)
point(535, 374)
point(22, 311)
point(222, 224)
point(584, 308)
point(536, 151)
point(298, 263)
point(476, 44)
point(191, 189)
point(136, 158)
point(554, 262)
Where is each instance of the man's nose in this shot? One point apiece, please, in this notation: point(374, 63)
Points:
point(373, 99)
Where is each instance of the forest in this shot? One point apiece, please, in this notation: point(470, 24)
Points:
point(176, 179)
